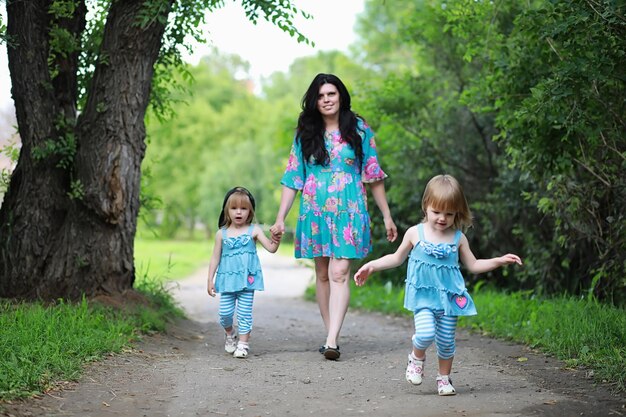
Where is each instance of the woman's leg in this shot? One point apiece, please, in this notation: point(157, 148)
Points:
point(339, 280)
point(322, 288)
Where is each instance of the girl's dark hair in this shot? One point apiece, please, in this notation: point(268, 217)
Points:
point(310, 130)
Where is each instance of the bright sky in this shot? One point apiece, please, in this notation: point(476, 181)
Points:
point(265, 47)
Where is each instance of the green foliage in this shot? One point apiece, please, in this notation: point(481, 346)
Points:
point(424, 127)
point(44, 344)
point(582, 332)
point(189, 154)
point(63, 148)
point(91, 55)
point(560, 109)
point(375, 296)
point(185, 28)
point(163, 260)
point(223, 135)
point(12, 151)
point(524, 103)
point(62, 42)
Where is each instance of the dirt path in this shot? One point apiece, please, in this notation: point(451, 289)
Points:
point(187, 372)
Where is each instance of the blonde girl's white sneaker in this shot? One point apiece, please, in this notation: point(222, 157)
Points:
point(414, 370)
point(230, 342)
point(241, 352)
point(444, 385)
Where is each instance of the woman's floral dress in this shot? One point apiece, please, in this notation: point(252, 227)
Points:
point(333, 220)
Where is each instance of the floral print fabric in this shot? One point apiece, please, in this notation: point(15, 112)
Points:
point(333, 219)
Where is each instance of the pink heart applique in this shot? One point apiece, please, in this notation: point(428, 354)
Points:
point(250, 279)
point(461, 301)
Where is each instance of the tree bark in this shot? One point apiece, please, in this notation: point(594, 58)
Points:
point(51, 245)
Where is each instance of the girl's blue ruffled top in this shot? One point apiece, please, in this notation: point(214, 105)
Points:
point(434, 278)
point(239, 268)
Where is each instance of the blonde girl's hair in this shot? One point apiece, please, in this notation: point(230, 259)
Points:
point(238, 197)
point(444, 193)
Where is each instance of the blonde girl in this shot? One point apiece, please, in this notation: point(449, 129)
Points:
point(435, 289)
point(235, 270)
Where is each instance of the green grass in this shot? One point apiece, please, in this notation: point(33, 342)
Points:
point(582, 333)
point(170, 259)
point(44, 344)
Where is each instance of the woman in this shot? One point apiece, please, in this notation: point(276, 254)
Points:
point(332, 156)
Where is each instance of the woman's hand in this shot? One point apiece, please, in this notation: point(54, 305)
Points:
point(392, 230)
point(277, 230)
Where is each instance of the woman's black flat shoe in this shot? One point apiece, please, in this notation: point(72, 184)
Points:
point(323, 348)
point(332, 353)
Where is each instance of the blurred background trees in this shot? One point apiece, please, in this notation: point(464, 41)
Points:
point(524, 102)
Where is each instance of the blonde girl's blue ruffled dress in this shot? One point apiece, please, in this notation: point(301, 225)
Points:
point(239, 268)
point(434, 278)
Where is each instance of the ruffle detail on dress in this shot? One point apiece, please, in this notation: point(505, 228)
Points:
point(439, 250)
point(237, 241)
point(242, 272)
point(372, 180)
point(433, 265)
point(239, 270)
point(232, 264)
point(242, 251)
point(452, 303)
point(443, 277)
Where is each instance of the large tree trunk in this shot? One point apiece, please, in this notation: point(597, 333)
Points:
point(52, 245)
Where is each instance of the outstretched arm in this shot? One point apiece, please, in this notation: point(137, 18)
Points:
point(388, 261)
point(287, 198)
point(213, 264)
point(478, 266)
point(270, 244)
point(380, 197)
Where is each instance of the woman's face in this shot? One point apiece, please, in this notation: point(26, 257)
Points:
point(328, 100)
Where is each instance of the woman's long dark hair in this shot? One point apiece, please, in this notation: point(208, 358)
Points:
point(310, 130)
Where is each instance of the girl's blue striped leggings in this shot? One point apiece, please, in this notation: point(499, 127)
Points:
point(240, 301)
point(435, 326)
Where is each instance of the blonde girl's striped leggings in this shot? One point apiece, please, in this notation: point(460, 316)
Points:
point(240, 302)
point(435, 326)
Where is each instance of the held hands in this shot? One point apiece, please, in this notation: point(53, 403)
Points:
point(277, 231)
point(363, 274)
